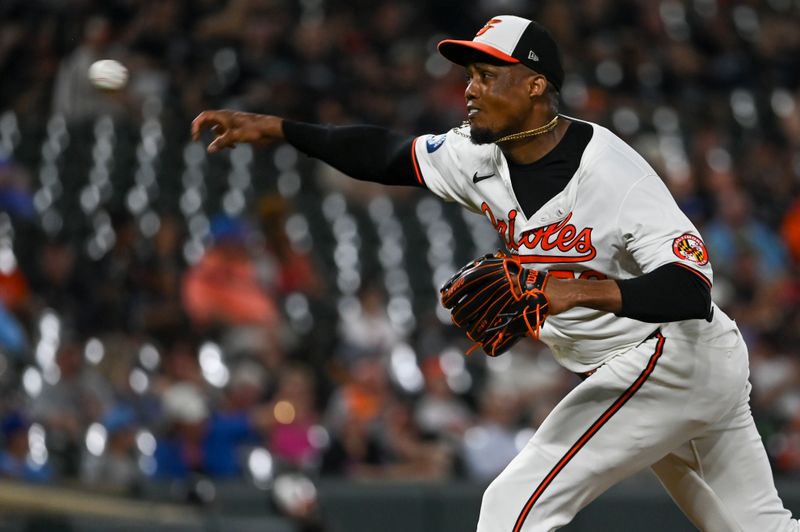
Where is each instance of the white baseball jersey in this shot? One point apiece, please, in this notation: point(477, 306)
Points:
point(615, 219)
point(673, 397)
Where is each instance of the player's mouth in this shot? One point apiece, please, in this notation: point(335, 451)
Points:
point(472, 112)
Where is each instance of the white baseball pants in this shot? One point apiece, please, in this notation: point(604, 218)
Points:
point(677, 406)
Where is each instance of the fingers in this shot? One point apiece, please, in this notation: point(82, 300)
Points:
point(218, 122)
point(221, 142)
point(204, 120)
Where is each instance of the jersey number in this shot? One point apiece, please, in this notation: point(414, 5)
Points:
point(569, 274)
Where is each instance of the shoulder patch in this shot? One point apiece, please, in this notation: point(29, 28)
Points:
point(691, 248)
point(435, 142)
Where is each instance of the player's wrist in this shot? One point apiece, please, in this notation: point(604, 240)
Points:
point(267, 128)
point(566, 294)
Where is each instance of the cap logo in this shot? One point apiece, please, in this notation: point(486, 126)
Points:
point(532, 55)
point(489, 25)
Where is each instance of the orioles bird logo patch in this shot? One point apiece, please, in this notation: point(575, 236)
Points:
point(689, 247)
point(489, 25)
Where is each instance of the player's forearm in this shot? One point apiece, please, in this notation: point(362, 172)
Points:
point(565, 294)
point(668, 293)
point(367, 153)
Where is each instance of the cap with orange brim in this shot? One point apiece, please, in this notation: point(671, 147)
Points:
point(510, 39)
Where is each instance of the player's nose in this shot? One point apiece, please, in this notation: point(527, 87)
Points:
point(471, 92)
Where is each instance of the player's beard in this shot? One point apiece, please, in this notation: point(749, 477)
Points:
point(482, 135)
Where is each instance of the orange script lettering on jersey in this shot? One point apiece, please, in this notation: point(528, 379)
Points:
point(558, 238)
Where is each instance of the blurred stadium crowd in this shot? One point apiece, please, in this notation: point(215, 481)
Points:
point(164, 314)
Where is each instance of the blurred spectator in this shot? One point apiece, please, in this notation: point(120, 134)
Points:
point(404, 451)
point(116, 468)
point(373, 432)
point(352, 411)
point(161, 309)
point(439, 411)
point(734, 234)
point(15, 461)
point(199, 440)
point(116, 275)
point(296, 271)
point(15, 195)
point(363, 396)
point(365, 328)
point(491, 443)
point(13, 339)
point(530, 372)
point(62, 285)
point(292, 438)
point(786, 447)
point(775, 376)
point(14, 290)
point(78, 397)
point(790, 231)
point(225, 286)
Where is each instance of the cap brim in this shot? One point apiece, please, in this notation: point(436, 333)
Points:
point(464, 52)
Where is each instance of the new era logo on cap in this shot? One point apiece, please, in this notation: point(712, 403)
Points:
point(510, 39)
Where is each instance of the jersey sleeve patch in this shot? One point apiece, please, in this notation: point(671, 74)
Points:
point(691, 248)
point(435, 142)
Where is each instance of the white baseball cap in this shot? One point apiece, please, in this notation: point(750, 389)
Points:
point(510, 39)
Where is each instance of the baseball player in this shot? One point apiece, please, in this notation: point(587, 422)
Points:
point(628, 286)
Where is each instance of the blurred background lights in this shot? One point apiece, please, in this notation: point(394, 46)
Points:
point(476, 438)
point(146, 442)
point(214, 369)
point(719, 159)
point(783, 103)
point(96, 437)
point(8, 262)
point(37, 444)
point(32, 382)
point(319, 437)
point(404, 368)
point(294, 492)
point(138, 381)
point(149, 357)
point(284, 412)
point(94, 351)
point(260, 465)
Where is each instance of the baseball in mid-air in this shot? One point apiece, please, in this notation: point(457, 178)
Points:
point(108, 74)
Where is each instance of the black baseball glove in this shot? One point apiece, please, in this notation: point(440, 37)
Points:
point(496, 301)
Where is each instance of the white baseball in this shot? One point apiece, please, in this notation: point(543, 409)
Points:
point(108, 74)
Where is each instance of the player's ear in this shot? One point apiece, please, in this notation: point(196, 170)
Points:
point(537, 85)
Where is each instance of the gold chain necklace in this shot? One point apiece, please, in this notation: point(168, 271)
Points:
point(550, 126)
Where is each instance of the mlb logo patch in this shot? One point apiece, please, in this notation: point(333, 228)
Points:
point(434, 143)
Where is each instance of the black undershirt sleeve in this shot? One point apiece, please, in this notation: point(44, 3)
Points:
point(668, 293)
point(367, 153)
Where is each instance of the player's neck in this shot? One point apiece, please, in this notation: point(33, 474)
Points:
point(528, 150)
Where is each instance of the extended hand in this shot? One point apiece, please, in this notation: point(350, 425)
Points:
point(233, 127)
